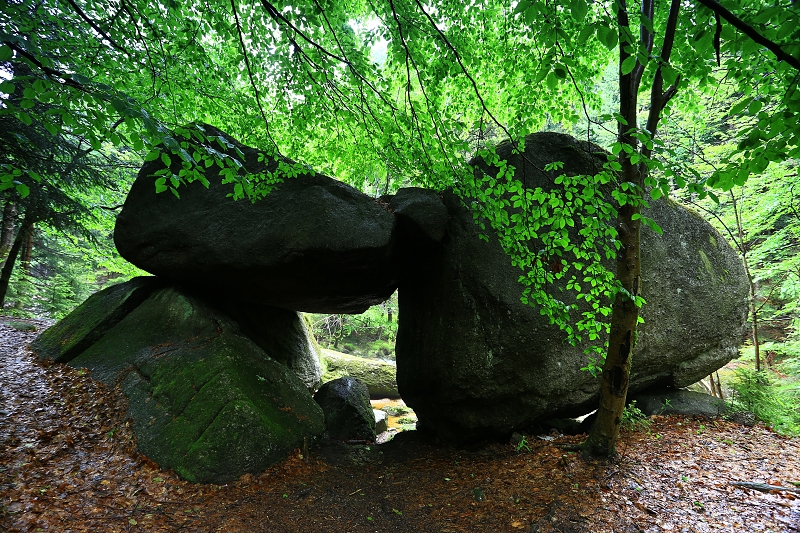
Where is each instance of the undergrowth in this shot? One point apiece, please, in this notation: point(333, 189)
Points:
point(774, 400)
point(633, 419)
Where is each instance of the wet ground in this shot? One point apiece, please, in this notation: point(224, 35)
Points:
point(68, 463)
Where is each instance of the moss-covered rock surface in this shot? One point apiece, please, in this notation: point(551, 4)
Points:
point(92, 319)
point(379, 376)
point(205, 400)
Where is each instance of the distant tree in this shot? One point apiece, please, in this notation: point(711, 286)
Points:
point(49, 178)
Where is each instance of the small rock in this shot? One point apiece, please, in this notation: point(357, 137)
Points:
point(745, 418)
point(381, 421)
point(348, 413)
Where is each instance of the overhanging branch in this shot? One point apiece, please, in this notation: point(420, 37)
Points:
point(748, 30)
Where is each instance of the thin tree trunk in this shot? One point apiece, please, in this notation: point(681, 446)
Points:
point(27, 250)
point(751, 283)
point(602, 440)
point(719, 387)
point(710, 387)
point(5, 274)
point(7, 228)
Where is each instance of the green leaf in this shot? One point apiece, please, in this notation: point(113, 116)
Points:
point(552, 81)
point(669, 74)
point(522, 6)
point(653, 226)
point(119, 105)
point(152, 155)
point(579, 8)
point(754, 107)
point(655, 193)
point(628, 65)
point(22, 190)
point(5, 53)
point(166, 160)
point(738, 108)
point(607, 36)
point(7, 87)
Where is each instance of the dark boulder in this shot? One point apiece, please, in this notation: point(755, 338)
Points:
point(312, 244)
point(205, 400)
point(421, 223)
point(92, 319)
point(283, 335)
point(678, 402)
point(474, 362)
point(348, 413)
point(421, 215)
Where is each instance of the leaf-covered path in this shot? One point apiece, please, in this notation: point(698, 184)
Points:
point(67, 463)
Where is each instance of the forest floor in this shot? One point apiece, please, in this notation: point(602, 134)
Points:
point(68, 463)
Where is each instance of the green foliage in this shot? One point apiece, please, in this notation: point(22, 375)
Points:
point(523, 444)
point(774, 402)
point(633, 419)
point(399, 89)
point(370, 334)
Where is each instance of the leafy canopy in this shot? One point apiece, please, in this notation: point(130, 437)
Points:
point(401, 91)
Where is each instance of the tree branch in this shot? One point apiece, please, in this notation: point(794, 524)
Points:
point(250, 76)
point(97, 28)
point(748, 30)
point(659, 99)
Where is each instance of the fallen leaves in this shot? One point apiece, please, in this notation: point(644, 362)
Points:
point(68, 463)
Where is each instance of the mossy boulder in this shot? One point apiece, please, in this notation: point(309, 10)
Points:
point(348, 413)
point(205, 400)
point(378, 375)
point(92, 319)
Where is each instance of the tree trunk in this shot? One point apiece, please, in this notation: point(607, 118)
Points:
point(7, 228)
point(602, 440)
point(5, 274)
point(27, 250)
point(750, 281)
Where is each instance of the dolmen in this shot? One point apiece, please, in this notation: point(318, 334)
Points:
point(219, 366)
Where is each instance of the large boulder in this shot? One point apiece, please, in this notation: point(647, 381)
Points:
point(348, 412)
point(312, 244)
point(474, 362)
point(205, 400)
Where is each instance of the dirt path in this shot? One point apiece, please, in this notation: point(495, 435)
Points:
point(67, 463)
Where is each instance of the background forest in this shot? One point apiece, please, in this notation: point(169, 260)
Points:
point(67, 161)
